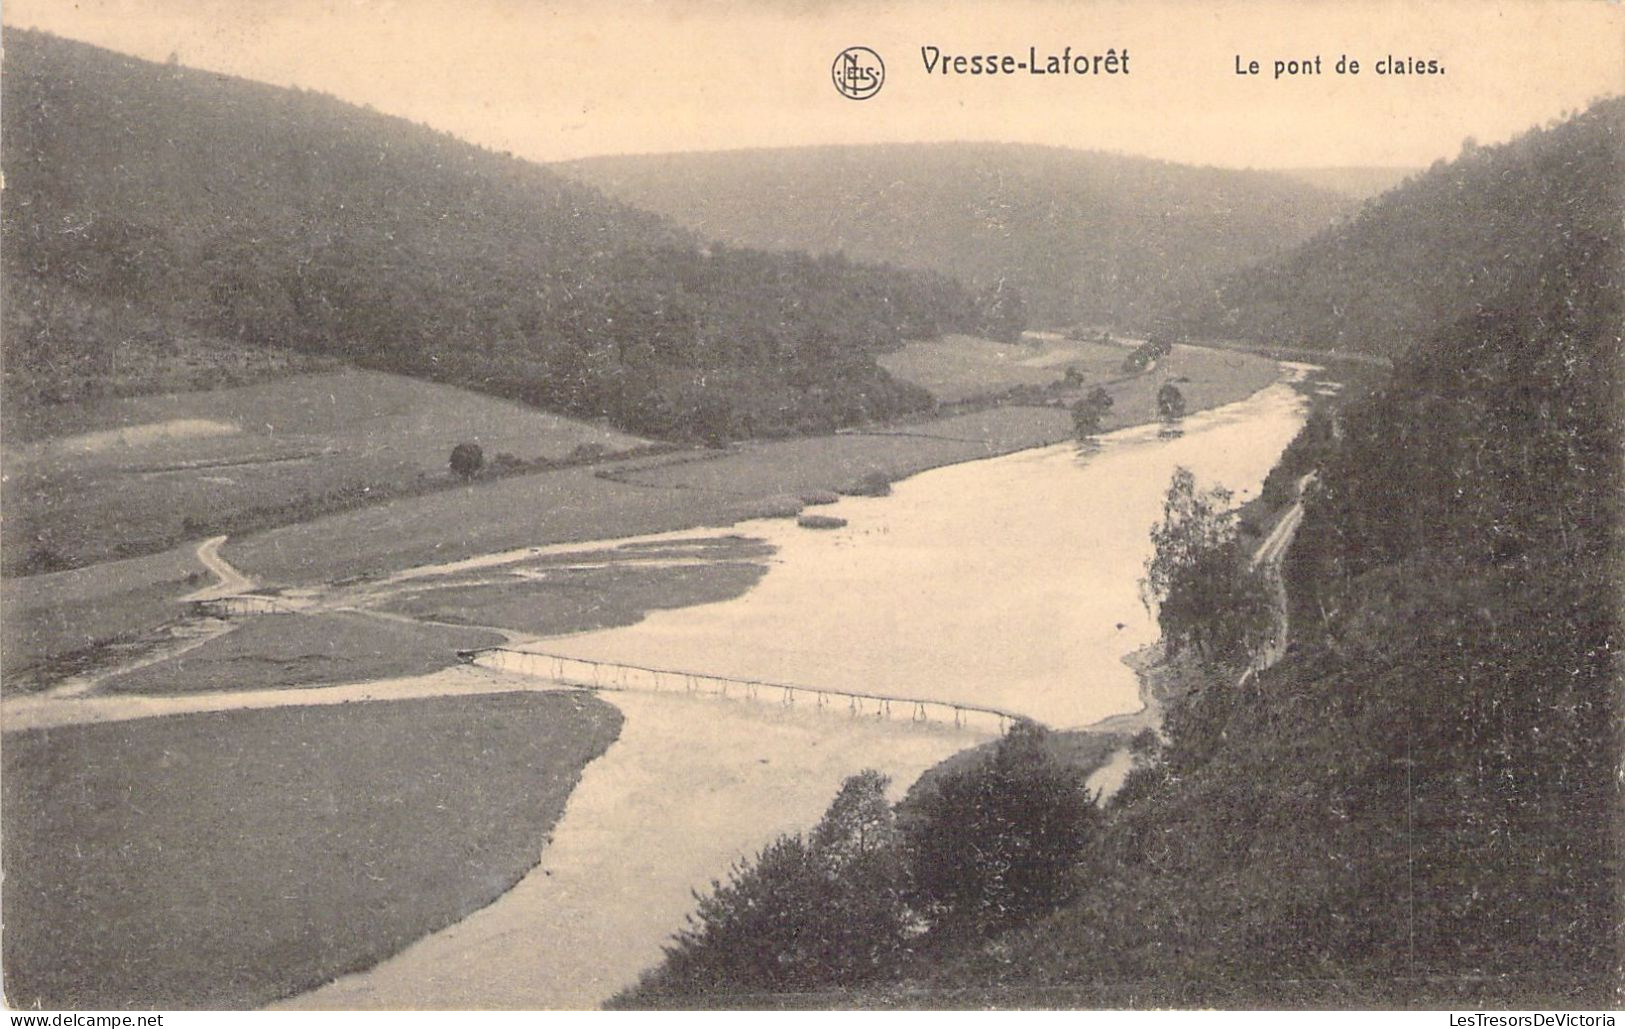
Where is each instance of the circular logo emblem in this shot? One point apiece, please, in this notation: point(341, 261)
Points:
point(858, 72)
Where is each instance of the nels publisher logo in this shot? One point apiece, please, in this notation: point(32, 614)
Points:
point(858, 72)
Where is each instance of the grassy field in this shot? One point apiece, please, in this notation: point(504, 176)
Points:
point(957, 368)
point(839, 462)
point(226, 860)
point(112, 478)
point(1206, 378)
point(604, 588)
point(44, 618)
point(305, 650)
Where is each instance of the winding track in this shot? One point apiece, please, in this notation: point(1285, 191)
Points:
point(229, 580)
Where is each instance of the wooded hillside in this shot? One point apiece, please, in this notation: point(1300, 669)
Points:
point(162, 222)
point(1433, 250)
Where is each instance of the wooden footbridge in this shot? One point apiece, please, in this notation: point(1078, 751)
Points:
point(606, 675)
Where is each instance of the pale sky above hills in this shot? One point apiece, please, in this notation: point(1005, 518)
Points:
point(552, 81)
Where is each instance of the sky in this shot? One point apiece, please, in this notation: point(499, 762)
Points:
point(553, 81)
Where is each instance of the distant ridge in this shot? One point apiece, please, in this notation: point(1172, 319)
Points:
point(1083, 235)
point(1357, 182)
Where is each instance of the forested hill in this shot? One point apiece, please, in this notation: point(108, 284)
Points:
point(155, 213)
point(1413, 807)
point(1085, 236)
point(1432, 250)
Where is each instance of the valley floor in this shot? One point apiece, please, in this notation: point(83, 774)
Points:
point(544, 943)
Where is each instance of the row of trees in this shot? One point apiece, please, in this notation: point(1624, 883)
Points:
point(1090, 412)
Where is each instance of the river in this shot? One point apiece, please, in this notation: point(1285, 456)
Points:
point(1010, 582)
point(1000, 581)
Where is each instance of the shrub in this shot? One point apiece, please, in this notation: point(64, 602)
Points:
point(1170, 403)
point(585, 453)
point(1088, 412)
point(824, 911)
point(1145, 742)
point(871, 484)
point(466, 460)
point(995, 843)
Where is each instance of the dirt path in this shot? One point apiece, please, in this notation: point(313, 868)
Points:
point(230, 580)
point(1274, 546)
point(177, 640)
point(50, 710)
point(1269, 556)
point(691, 785)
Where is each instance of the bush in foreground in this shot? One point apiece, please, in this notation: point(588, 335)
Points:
point(982, 849)
point(805, 913)
point(995, 844)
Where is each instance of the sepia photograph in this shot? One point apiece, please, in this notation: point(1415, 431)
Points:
point(806, 505)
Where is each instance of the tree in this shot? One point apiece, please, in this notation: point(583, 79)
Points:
point(1088, 412)
point(1198, 578)
point(996, 843)
point(466, 460)
point(859, 822)
point(805, 913)
point(1170, 403)
point(1085, 419)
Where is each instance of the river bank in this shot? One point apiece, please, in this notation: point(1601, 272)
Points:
point(691, 786)
point(698, 489)
point(51, 617)
point(529, 949)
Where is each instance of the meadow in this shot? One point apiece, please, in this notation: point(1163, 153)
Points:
point(956, 368)
point(285, 650)
point(108, 478)
point(138, 852)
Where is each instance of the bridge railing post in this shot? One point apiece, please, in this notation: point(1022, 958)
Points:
point(610, 674)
